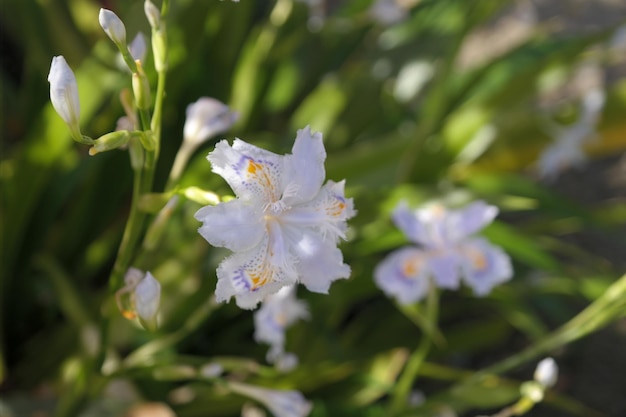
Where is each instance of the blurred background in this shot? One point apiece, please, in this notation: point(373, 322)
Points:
point(449, 99)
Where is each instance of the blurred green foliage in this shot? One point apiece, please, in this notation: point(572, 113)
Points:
point(402, 119)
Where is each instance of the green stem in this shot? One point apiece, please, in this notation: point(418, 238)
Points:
point(598, 314)
point(400, 395)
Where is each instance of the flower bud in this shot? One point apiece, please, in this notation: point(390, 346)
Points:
point(547, 372)
point(159, 50)
point(206, 118)
point(141, 88)
point(147, 297)
point(113, 27)
point(110, 141)
point(64, 94)
point(152, 14)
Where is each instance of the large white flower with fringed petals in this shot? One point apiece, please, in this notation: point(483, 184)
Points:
point(285, 224)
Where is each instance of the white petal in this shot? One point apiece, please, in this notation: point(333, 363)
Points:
point(403, 274)
point(319, 263)
point(251, 276)
point(253, 173)
point(137, 47)
point(327, 213)
point(547, 372)
point(484, 265)
point(236, 225)
point(304, 169)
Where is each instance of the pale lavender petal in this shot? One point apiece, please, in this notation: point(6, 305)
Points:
point(404, 275)
point(470, 219)
point(253, 173)
point(235, 225)
point(407, 221)
point(304, 169)
point(445, 268)
point(484, 265)
point(319, 262)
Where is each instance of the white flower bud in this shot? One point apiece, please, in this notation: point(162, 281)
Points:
point(113, 27)
point(64, 93)
point(147, 298)
point(152, 14)
point(547, 372)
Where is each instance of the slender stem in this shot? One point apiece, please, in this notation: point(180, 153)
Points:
point(402, 389)
point(132, 233)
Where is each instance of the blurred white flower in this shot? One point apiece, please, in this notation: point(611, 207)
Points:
point(147, 297)
point(285, 224)
point(277, 313)
point(280, 403)
point(206, 118)
point(388, 12)
point(566, 151)
point(137, 47)
point(447, 253)
point(113, 27)
point(152, 14)
point(140, 297)
point(64, 93)
point(547, 372)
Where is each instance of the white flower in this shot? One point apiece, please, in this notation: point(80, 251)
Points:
point(280, 403)
point(112, 26)
point(277, 313)
point(388, 12)
point(447, 253)
point(147, 297)
point(206, 118)
point(566, 151)
point(547, 372)
point(283, 227)
point(64, 93)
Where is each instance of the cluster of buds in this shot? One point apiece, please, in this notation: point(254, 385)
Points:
point(64, 89)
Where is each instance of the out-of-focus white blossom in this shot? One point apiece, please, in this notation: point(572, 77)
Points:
point(206, 118)
point(279, 403)
point(140, 297)
point(447, 252)
point(113, 27)
point(547, 372)
point(566, 151)
point(148, 297)
point(277, 313)
point(389, 12)
point(138, 48)
point(64, 94)
point(284, 226)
